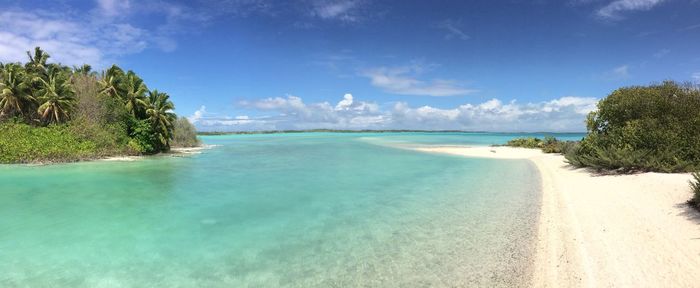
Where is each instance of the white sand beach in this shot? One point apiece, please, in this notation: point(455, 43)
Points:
point(174, 152)
point(607, 231)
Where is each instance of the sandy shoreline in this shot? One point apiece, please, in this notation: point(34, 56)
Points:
point(174, 152)
point(607, 231)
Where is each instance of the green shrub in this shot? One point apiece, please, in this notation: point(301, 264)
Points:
point(650, 128)
point(184, 134)
point(695, 187)
point(143, 140)
point(529, 142)
point(21, 143)
point(548, 145)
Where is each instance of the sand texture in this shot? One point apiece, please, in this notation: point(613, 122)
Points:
point(607, 230)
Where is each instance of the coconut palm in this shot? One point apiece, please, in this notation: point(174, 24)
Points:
point(56, 97)
point(83, 70)
point(37, 62)
point(160, 114)
point(134, 94)
point(15, 97)
point(110, 81)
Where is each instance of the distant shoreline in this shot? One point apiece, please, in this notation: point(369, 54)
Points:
point(214, 133)
point(173, 152)
point(609, 231)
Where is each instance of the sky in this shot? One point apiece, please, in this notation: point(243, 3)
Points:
point(238, 65)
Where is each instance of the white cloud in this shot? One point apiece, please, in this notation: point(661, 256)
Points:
point(210, 122)
point(111, 8)
point(453, 30)
point(691, 27)
point(96, 36)
point(621, 71)
point(67, 40)
point(346, 103)
point(618, 73)
point(403, 81)
point(291, 112)
point(614, 9)
point(198, 114)
point(342, 10)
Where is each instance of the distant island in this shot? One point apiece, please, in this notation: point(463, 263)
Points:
point(54, 113)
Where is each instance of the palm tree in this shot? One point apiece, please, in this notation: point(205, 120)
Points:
point(134, 94)
point(15, 97)
point(37, 63)
point(56, 96)
point(110, 82)
point(83, 70)
point(160, 114)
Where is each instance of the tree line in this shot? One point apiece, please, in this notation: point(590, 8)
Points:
point(116, 104)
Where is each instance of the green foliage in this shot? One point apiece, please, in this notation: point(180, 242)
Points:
point(56, 95)
point(695, 188)
point(22, 143)
point(88, 115)
point(650, 128)
point(143, 140)
point(529, 142)
point(184, 134)
point(548, 145)
point(133, 93)
point(161, 117)
point(15, 94)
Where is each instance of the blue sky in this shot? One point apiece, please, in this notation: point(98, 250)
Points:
point(366, 64)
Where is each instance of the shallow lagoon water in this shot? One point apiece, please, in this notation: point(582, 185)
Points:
point(281, 210)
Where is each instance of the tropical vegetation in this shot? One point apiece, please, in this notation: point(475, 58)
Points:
point(51, 112)
point(644, 128)
point(184, 134)
point(695, 187)
point(639, 128)
point(548, 145)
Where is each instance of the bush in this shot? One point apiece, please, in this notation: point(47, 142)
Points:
point(529, 142)
point(651, 128)
point(695, 187)
point(143, 140)
point(548, 145)
point(184, 134)
point(21, 143)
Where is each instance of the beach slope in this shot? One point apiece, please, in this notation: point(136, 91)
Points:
point(607, 231)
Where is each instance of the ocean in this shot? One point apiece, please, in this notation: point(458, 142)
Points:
point(276, 210)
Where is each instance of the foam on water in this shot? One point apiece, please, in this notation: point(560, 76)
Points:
point(293, 210)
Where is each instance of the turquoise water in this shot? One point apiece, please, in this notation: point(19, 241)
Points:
point(282, 210)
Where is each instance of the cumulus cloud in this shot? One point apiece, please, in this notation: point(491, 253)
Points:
point(96, 36)
point(198, 114)
point(291, 112)
point(211, 122)
point(615, 9)
point(403, 80)
point(68, 41)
